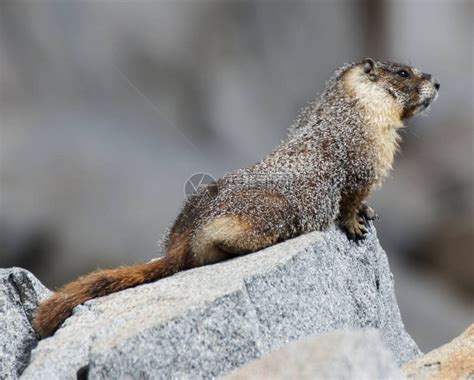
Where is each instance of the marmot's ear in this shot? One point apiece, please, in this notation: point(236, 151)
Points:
point(370, 68)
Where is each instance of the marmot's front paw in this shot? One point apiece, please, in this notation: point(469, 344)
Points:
point(367, 213)
point(355, 227)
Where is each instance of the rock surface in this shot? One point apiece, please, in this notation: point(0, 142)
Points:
point(20, 292)
point(205, 322)
point(335, 355)
point(454, 360)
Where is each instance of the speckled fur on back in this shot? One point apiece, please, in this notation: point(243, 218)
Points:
point(338, 150)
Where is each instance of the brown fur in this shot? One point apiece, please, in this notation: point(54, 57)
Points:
point(352, 215)
point(52, 312)
point(340, 148)
point(210, 241)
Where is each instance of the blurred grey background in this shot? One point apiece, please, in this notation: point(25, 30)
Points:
point(107, 107)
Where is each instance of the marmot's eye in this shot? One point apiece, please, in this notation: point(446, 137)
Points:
point(403, 73)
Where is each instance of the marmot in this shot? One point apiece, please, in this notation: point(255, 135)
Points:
point(339, 148)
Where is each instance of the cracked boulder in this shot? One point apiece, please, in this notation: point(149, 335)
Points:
point(20, 293)
point(207, 321)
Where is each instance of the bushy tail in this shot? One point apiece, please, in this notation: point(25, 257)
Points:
point(53, 311)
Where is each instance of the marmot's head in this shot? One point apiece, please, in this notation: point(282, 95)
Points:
point(402, 89)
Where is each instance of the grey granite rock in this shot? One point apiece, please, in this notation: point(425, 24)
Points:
point(205, 322)
point(20, 292)
point(342, 354)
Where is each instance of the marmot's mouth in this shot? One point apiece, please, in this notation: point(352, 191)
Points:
point(427, 102)
point(419, 107)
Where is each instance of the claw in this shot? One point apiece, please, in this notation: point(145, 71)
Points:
point(362, 220)
point(368, 213)
point(355, 228)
